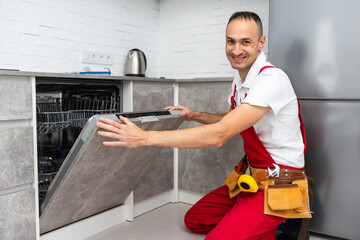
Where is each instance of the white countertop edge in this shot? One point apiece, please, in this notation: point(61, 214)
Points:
point(103, 76)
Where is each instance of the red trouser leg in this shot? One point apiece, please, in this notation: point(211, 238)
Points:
point(208, 211)
point(240, 218)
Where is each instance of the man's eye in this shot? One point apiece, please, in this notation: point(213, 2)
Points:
point(230, 41)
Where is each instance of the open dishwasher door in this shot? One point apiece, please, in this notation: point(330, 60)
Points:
point(94, 177)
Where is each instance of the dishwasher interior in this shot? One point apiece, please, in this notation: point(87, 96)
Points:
point(63, 106)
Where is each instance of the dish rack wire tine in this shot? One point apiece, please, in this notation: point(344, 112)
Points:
point(55, 114)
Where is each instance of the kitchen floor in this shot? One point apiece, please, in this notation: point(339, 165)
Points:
point(163, 223)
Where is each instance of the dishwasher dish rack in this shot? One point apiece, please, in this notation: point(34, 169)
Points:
point(55, 114)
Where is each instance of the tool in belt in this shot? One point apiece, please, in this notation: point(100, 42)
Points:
point(286, 190)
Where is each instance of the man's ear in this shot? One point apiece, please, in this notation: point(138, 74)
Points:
point(261, 42)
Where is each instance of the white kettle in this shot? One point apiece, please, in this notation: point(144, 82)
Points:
point(135, 64)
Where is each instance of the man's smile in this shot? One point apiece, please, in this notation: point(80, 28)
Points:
point(240, 58)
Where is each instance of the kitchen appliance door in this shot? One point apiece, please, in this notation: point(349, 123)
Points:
point(315, 43)
point(94, 177)
point(333, 160)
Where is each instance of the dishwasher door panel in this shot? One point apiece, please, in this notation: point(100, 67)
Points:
point(94, 177)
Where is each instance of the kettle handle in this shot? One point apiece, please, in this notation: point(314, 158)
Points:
point(136, 49)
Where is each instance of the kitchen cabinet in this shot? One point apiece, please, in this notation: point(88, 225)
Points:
point(198, 170)
point(17, 194)
point(153, 96)
point(194, 171)
point(204, 169)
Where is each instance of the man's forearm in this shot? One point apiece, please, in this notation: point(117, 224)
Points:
point(207, 118)
point(196, 137)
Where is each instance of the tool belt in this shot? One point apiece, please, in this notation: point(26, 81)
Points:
point(285, 196)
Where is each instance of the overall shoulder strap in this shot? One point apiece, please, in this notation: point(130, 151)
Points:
point(265, 67)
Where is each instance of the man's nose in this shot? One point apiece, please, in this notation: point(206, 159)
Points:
point(237, 49)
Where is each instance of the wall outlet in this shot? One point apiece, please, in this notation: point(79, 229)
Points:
point(97, 58)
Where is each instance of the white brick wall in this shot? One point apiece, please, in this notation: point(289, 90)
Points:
point(50, 35)
point(181, 38)
point(192, 35)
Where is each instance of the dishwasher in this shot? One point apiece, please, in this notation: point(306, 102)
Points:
point(63, 107)
point(78, 176)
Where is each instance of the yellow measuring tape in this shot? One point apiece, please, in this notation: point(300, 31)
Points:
point(247, 183)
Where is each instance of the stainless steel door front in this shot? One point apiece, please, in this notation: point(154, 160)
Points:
point(333, 134)
point(315, 43)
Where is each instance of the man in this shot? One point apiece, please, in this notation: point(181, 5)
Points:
point(264, 109)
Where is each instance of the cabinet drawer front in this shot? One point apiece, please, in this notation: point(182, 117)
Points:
point(17, 156)
point(16, 100)
point(17, 216)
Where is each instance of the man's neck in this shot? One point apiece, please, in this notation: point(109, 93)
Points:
point(243, 73)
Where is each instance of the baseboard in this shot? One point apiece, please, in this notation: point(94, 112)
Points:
point(152, 203)
point(189, 197)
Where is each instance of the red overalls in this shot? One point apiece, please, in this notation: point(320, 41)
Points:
point(241, 217)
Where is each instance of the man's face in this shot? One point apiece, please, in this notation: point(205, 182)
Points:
point(243, 44)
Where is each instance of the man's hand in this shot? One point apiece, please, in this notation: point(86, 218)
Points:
point(125, 135)
point(184, 112)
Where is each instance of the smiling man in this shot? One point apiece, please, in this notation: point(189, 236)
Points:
point(264, 110)
point(244, 41)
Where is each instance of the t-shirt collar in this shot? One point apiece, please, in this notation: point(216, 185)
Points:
point(254, 70)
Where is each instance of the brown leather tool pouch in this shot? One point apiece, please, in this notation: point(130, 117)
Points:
point(283, 197)
point(288, 199)
point(231, 182)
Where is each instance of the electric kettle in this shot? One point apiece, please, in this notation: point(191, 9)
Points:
point(135, 64)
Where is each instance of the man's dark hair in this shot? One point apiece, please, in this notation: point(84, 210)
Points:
point(248, 16)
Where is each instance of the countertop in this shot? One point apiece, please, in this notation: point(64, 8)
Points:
point(103, 76)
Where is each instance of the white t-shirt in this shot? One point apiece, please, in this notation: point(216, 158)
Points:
point(279, 130)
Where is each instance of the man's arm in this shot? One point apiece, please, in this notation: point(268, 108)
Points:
point(200, 117)
point(216, 134)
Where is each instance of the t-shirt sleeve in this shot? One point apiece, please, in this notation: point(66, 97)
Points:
point(271, 89)
point(231, 93)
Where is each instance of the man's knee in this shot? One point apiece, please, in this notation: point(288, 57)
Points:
point(195, 224)
point(192, 224)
